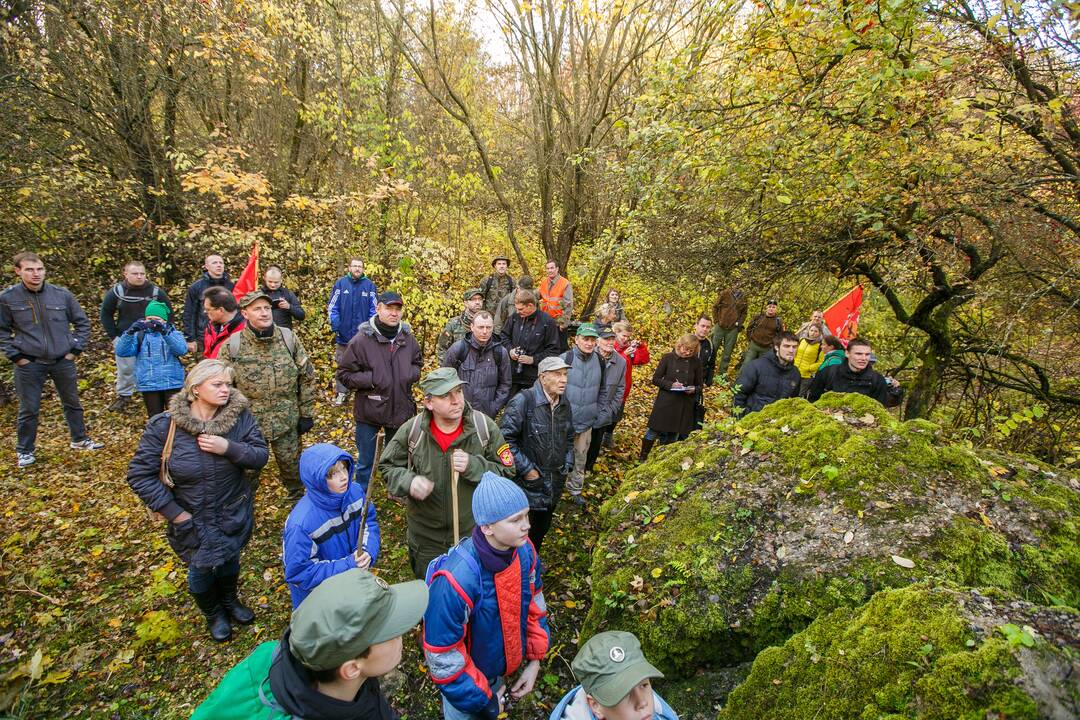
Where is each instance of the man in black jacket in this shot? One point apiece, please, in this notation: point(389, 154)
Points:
point(769, 378)
point(529, 336)
point(854, 375)
point(539, 427)
point(194, 314)
point(123, 305)
point(283, 303)
point(483, 363)
point(42, 329)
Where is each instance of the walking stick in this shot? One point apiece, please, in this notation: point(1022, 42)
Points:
point(454, 503)
point(367, 493)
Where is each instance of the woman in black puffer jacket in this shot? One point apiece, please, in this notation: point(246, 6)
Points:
point(210, 507)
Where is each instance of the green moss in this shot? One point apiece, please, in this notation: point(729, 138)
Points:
point(912, 652)
point(734, 539)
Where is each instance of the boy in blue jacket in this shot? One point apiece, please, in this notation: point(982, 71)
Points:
point(471, 645)
point(156, 346)
point(616, 683)
point(322, 531)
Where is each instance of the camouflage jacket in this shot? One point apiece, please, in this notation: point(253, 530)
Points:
point(456, 329)
point(279, 385)
point(494, 289)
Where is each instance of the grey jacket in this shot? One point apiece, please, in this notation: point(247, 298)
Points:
point(44, 325)
point(614, 386)
point(585, 389)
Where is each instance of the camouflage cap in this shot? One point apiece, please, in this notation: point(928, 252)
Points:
point(610, 664)
point(253, 296)
point(471, 293)
point(441, 381)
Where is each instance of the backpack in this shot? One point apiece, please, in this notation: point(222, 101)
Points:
point(233, 343)
point(437, 563)
point(415, 431)
point(244, 692)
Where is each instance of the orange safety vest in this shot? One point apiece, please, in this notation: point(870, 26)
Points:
point(551, 296)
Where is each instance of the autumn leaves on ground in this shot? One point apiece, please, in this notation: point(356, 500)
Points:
point(95, 608)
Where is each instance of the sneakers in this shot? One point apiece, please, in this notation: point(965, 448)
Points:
point(120, 403)
point(339, 399)
point(26, 459)
point(87, 444)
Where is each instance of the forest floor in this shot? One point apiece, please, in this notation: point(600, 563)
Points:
point(95, 619)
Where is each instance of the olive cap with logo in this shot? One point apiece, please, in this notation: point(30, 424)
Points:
point(348, 613)
point(441, 381)
point(610, 664)
point(471, 293)
point(587, 330)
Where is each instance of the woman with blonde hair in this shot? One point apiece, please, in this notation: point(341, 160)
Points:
point(678, 376)
point(189, 467)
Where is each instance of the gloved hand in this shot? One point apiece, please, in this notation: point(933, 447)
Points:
point(136, 327)
point(304, 425)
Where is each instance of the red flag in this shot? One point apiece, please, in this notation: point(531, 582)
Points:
point(249, 279)
point(842, 317)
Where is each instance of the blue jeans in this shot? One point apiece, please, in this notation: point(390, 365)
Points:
point(201, 579)
point(452, 713)
point(29, 382)
point(365, 450)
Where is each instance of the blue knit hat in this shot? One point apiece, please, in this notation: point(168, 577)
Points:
point(497, 498)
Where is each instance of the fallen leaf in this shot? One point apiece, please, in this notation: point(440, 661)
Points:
point(781, 552)
point(637, 582)
point(570, 604)
point(35, 666)
point(115, 622)
point(848, 537)
point(903, 562)
point(686, 464)
point(656, 572)
point(868, 419)
point(659, 518)
point(631, 496)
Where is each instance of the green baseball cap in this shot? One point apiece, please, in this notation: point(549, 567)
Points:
point(441, 381)
point(471, 293)
point(610, 664)
point(253, 296)
point(587, 330)
point(348, 613)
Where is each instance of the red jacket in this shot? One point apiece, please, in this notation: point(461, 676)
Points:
point(640, 356)
point(213, 338)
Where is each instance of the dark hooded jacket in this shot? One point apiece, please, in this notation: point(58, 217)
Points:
point(382, 372)
point(764, 381)
point(194, 316)
point(541, 438)
point(212, 488)
point(321, 532)
point(284, 318)
point(537, 336)
point(486, 369)
point(841, 378)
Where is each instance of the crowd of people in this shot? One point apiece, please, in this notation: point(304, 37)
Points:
point(524, 402)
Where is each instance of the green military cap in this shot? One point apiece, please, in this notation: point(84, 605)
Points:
point(610, 664)
point(587, 330)
point(253, 296)
point(441, 381)
point(471, 293)
point(348, 613)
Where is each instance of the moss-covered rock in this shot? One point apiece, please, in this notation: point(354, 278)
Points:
point(742, 535)
point(932, 653)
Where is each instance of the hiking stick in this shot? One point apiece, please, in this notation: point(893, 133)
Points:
point(454, 503)
point(367, 493)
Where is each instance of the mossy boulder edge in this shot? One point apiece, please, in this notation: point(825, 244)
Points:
point(745, 533)
point(926, 652)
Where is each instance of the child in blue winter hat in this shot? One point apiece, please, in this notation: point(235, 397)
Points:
point(471, 649)
point(321, 537)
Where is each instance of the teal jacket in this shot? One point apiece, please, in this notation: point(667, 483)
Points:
point(833, 357)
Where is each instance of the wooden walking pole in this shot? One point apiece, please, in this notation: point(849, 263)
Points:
point(367, 493)
point(454, 503)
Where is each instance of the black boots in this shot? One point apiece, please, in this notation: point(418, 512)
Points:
point(217, 617)
point(646, 448)
point(237, 611)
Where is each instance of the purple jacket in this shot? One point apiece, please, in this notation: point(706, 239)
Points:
point(382, 372)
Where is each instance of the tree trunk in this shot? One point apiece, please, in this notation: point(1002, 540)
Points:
point(922, 395)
